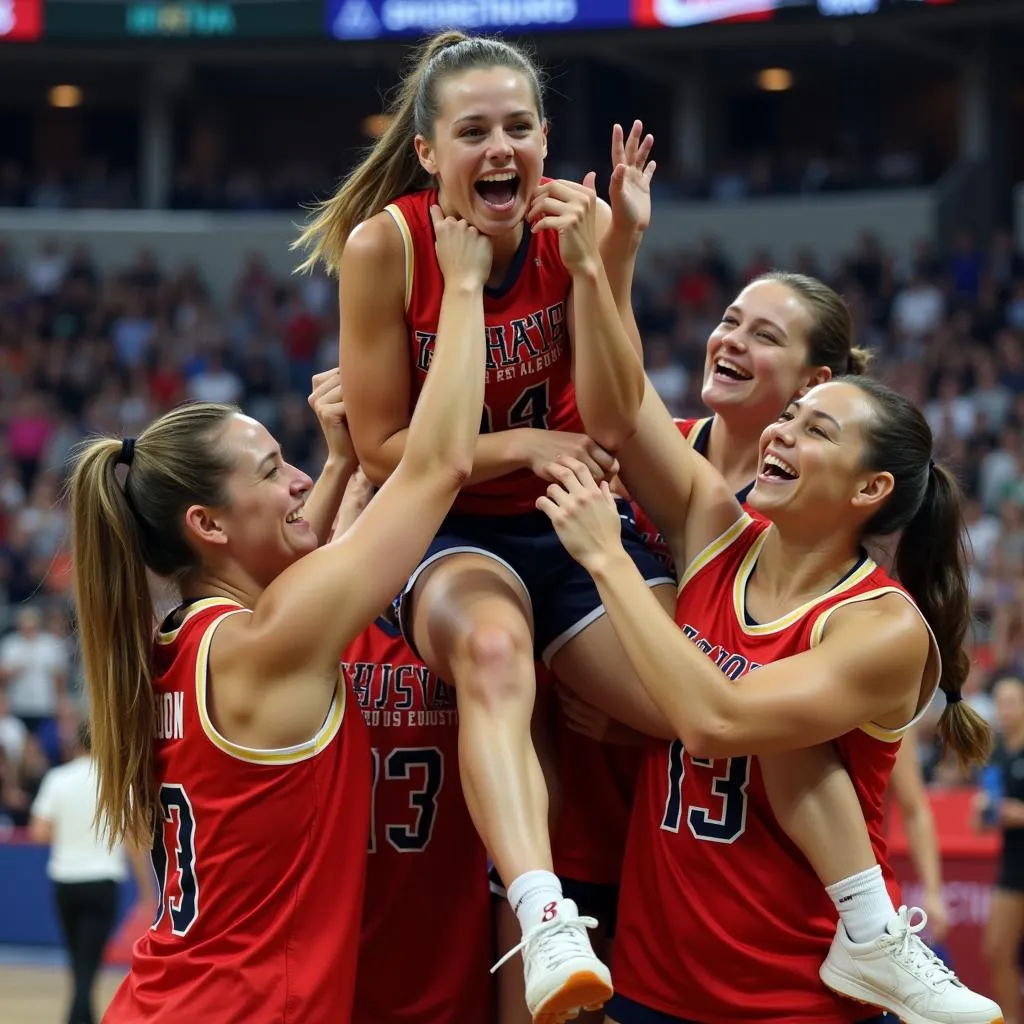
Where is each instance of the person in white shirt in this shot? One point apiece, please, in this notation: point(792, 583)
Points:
point(85, 872)
point(34, 669)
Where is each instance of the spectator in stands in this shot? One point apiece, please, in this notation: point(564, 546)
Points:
point(34, 670)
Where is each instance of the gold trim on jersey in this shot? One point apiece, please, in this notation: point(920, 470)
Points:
point(195, 608)
point(410, 254)
point(694, 432)
point(739, 592)
point(879, 732)
point(282, 755)
point(715, 548)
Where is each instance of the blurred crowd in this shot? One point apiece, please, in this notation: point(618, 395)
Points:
point(82, 352)
point(95, 183)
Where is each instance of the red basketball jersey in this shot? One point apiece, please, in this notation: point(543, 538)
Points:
point(529, 360)
point(427, 941)
point(721, 918)
point(259, 857)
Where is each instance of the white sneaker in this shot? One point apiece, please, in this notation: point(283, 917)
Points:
point(899, 973)
point(563, 974)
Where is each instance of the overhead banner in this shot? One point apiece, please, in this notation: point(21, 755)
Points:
point(374, 19)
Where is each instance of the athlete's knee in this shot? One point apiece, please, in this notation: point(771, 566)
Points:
point(493, 662)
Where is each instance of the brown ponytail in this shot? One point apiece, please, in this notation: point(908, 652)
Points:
point(930, 561)
point(858, 360)
point(391, 168)
point(117, 533)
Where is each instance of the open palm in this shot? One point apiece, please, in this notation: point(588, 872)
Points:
point(630, 189)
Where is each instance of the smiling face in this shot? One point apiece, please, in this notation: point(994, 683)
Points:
point(811, 465)
point(757, 356)
point(488, 147)
point(261, 527)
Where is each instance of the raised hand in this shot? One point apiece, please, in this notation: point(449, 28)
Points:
point(629, 192)
point(326, 401)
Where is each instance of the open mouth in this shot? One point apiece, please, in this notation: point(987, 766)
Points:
point(294, 517)
point(499, 191)
point(727, 369)
point(775, 468)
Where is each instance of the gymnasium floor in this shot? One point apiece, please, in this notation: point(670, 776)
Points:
point(34, 987)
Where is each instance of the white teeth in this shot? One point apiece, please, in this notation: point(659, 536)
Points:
point(728, 364)
point(501, 176)
point(294, 517)
point(774, 460)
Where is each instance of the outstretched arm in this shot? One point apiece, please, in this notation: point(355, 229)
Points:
point(796, 702)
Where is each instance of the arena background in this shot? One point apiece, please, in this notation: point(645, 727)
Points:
point(154, 157)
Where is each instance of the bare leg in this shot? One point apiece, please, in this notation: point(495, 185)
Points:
point(471, 625)
point(813, 798)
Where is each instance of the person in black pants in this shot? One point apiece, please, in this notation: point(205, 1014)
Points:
point(85, 873)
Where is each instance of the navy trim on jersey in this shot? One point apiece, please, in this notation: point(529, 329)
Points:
point(518, 262)
point(700, 446)
point(860, 561)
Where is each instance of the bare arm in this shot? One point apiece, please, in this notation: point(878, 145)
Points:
point(40, 830)
point(797, 702)
point(908, 788)
point(142, 872)
point(918, 822)
point(607, 367)
point(309, 613)
point(685, 496)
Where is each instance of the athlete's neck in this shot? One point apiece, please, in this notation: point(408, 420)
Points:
point(733, 451)
point(793, 570)
point(230, 585)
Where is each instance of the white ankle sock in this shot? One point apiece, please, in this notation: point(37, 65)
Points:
point(530, 894)
point(864, 905)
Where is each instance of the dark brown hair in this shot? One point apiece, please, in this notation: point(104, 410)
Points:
point(925, 506)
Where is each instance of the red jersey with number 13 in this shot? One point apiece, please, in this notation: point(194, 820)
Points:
point(259, 855)
point(721, 918)
point(529, 360)
point(427, 868)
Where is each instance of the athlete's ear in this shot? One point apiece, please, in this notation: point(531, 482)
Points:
point(425, 155)
point(544, 138)
point(873, 490)
point(202, 524)
point(816, 375)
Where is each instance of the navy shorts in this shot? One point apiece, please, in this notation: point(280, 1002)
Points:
point(563, 597)
point(625, 1011)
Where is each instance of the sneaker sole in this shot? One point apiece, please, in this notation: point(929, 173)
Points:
point(583, 990)
point(849, 988)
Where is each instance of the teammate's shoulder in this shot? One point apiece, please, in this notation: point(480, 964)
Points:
point(378, 239)
point(890, 618)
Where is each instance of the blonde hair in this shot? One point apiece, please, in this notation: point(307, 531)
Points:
point(116, 534)
point(391, 168)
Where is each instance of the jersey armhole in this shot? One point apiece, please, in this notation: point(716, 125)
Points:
point(253, 755)
point(410, 256)
point(720, 544)
point(928, 690)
